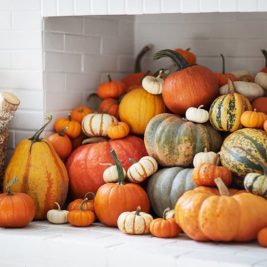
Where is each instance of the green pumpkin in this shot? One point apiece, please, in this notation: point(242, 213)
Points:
point(166, 186)
point(174, 141)
point(256, 183)
point(242, 152)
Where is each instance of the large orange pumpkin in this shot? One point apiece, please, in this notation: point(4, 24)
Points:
point(88, 162)
point(40, 173)
point(189, 86)
point(112, 199)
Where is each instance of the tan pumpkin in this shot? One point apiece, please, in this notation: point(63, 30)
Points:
point(153, 85)
point(205, 157)
point(197, 115)
point(110, 174)
point(96, 124)
point(253, 119)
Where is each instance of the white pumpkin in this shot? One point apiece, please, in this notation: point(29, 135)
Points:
point(135, 222)
point(206, 157)
point(168, 214)
point(142, 169)
point(96, 124)
point(248, 89)
point(261, 79)
point(197, 115)
point(153, 85)
point(57, 216)
point(110, 175)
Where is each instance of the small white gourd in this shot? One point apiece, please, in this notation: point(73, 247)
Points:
point(197, 115)
point(205, 157)
point(57, 216)
point(153, 85)
point(110, 175)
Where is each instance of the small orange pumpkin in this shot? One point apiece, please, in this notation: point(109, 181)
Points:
point(262, 237)
point(110, 106)
point(73, 127)
point(79, 112)
point(81, 217)
point(188, 55)
point(87, 205)
point(118, 130)
point(164, 228)
point(111, 89)
point(253, 119)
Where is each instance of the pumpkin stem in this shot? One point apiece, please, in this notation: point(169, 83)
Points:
point(137, 64)
point(58, 206)
point(231, 86)
point(223, 63)
point(138, 210)
point(93, 140)
point(89, 195)
point(133, 160)
point(179, 60)
point(109, 78)
point(188, 49)
point(36, 136)
point(63, 131)
point(9, 184)
point(201, 106)
point(121, 179)
point(82, 204)
point(164, 73)
point(165, 213)
point(217, 159)
point(264, 52)
point(221, 187)
point(205, 149)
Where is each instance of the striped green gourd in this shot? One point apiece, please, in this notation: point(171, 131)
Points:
point(256, 183)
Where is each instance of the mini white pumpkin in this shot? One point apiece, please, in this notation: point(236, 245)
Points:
point(153, 85)
point(206, 157)
point(261, 79)
point(135, 222)
point(142, 169)
point(168, 213)
point(96, 124)
point(57, 216)
point(197, 115)
point(110, 175)
point(249, 89)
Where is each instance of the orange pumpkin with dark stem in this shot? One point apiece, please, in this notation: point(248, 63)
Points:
point(262, 237)
point(81, 217)
point(264, 52)
point(118, 130)
point(189, 86)
point(110, 106)
point(111, 89)
point(88, 205)
point(113, 199)
point(61, 143)
point(188, 55)
point(73, 127)
point(16, 209)
point(79, 112)
point(260, 104)
point(164, 228)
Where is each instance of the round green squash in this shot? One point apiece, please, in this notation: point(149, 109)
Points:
point(166, 186)
point(174, 141)
point(243, 152)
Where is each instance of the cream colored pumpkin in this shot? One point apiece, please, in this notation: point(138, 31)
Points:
point(249, 89)
point(169, 214)
point(135, 222)
point(153, 85)
point(96, 124)
point(206, 157)
point(57, 216)
point(261, 79)
point(197, 115)
point(142, 169)
point(111, 175)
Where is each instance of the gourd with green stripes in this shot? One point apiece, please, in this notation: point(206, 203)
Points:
point(256, 183)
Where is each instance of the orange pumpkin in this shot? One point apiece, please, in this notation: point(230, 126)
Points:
point(264, 52)
point(87, 205)
point(111, 89)
point(113, 199)
point(262, 237)
point(81, 217)
point(73, 127)
point(206, 214)
point(188, 55)
point(110, 106)
point(253, 119)
point(164, 228)
point(260, 104)
point(118, 130)
point(16, 209)
point(61, 143)
point(79, 112)
point(190, 86)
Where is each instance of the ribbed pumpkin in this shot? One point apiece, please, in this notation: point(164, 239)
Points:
point(166, 186)
point(40, 173)
point(226, 110)
point(173, 141)
point(243, 150)
point(189, 86)
point(138, 107)
point(88, 162)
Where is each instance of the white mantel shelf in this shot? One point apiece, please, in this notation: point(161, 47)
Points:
point(43, 244)
point(133, 7)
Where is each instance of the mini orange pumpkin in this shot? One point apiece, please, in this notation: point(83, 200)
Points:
point(188, 55)
point(73, 127)
point(111, 89)
point(81, 217)
point(87, 205)
point(262, 237)
point(110, 106)
point(79, 112)
point(253, 119)
point(118, 130)
point(164, 228)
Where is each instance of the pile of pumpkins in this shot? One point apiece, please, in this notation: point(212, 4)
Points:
point(151, 143)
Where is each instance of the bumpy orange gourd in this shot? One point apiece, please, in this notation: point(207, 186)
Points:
point(79, 112)
point(110, 106)
point(108, 200)
point(253, 119)
point(16, 209)
point(262, 237)
point(40, 173)
point(188, 55)
point(73, 127)
point(87, 205)
point(118, 130)
point(205, 214)
point(260, 104)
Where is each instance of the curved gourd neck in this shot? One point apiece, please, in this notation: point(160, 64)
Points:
point(36, 136)
point(137, 64)
point(121, 179)
point(264, 52)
